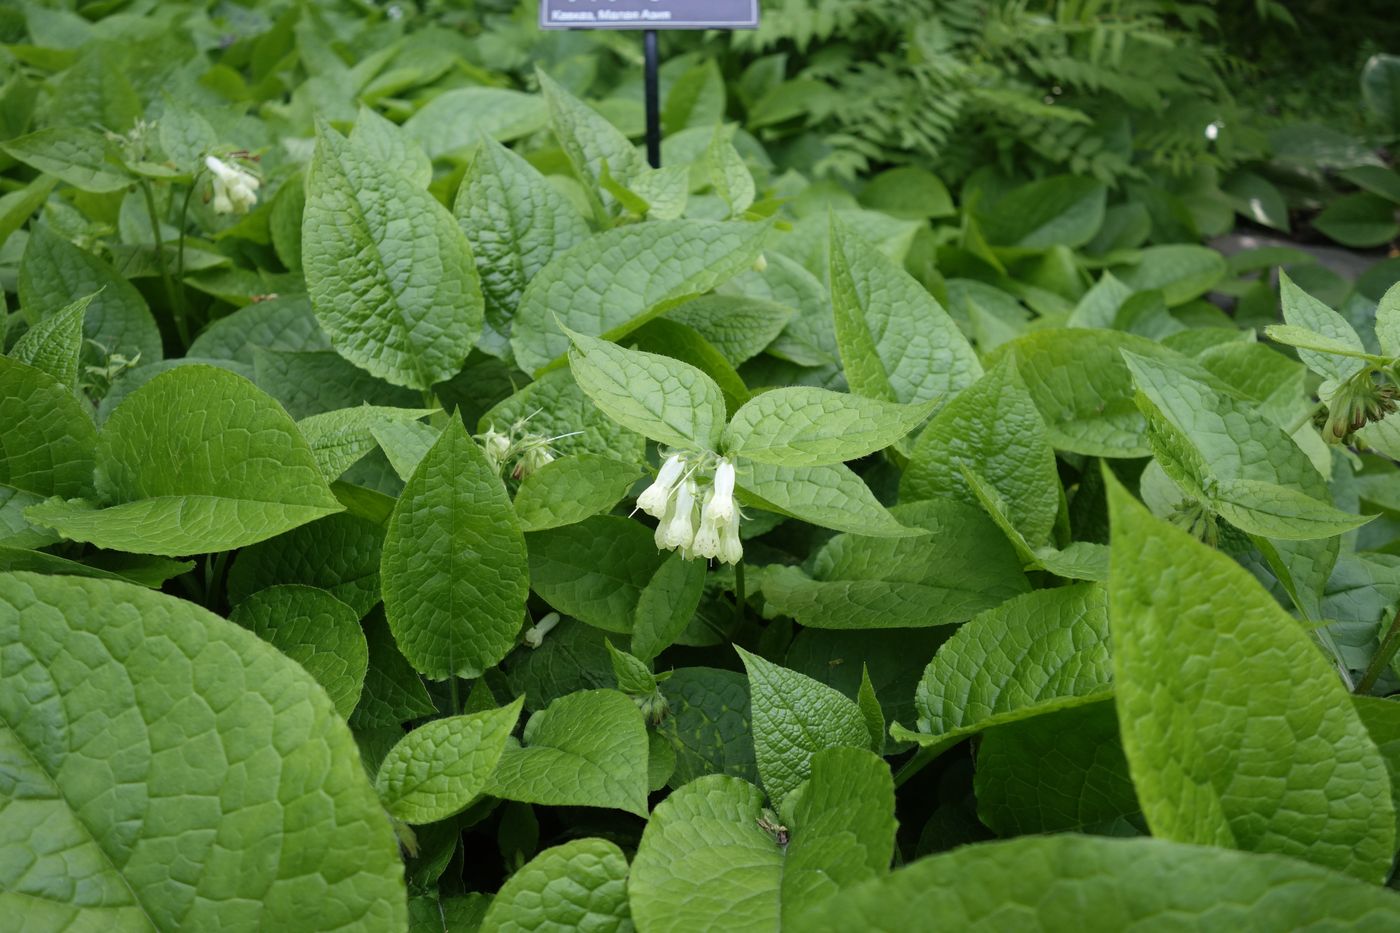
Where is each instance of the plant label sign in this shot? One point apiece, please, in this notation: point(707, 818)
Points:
point(648, 14)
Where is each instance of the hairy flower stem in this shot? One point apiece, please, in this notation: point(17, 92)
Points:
point(176, 310)
point(740, 599)
point(181, 324)
point(1389, 645)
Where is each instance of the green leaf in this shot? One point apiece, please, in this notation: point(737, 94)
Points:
point(338, 554)
point(48, 446)
point(555, 406)
point(1224, 453)
point(587, 749)
point(992, 427)
point(516, 221)
point(709, 726)
point(1100, 304)
point(317, 631)
point(153, 727)
point(457, 119)
point(1388, 321)
point(1059, 772)
point(1044, 651)
point(869, 705)
point(908, 191)
point(590, 142)
point(1208, 765)
point(1361, 220)
point(574, 656)
point(570, 489)
point(54, 345)
point(391, 146)
point(393, 692)
point(1138, 885)
point(286, 323)
point(803, 426)
point(1304, 339)
point(405, 443)
point(616, 281)
point(399, 298)
point(1061, 210)
point(632, 674)
point(195, 461)
point(830, 496)
point(594, 570)
point(54, 272)
point(338, 439)
point(896, 341)
point(960, 568)
point(680, 342)
point(1180, 272)
point(81, 157)
point(454, 569)
point(660, 397)
point(739, 328)
point(1303, 310)
point(580, 885)
point(667, 605)
point(1380, 89)
point(706, 864)
point(1083, 389)
point(438, 769)
point(794, 717)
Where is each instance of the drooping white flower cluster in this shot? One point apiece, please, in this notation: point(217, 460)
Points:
point(235, 190)
point(697, 516)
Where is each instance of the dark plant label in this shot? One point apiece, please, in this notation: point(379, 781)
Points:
point(648, 14)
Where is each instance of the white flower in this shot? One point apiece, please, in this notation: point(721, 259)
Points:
point(534, 457)
point(657, 496)
point(707, 543)
point(497, 447)
point(719, 506)
point(534, 635)
point(235, 191)
point(677, 529)
point(731, 549)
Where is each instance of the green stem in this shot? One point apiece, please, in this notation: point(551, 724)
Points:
point(214, 580)
point(456, 696)
point(740, 594)
point(1389, 645)
point(162, 265)
point(180, 321)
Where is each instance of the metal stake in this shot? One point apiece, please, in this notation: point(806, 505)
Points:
point(653, 95)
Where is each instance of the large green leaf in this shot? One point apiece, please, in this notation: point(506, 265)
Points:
point(79, 156)
point(339, 554)
point(554, 406)
point(802, 426)
point(1125, 885)
point(516, 222)
point(393, 692)
point(165, 769)
point(570, 489)
point(1063, 210)
point(794, 718)
point(54, 345)
point(667, 605)
point(896, 341)
point(831, 496)
point(1040, 652)
point(657, 396)
point(389, 272)
point(438, 769)
point(709, 726)
point(1361, 220)
point(592, 145)
point(963, 566)
point(594, 570)
point(1304, 311)
point(48, 445)
point(196, 460)
point(580, 885)
point(616, 281)
point(1226, 707)
point(705, 863)
point(317, 631)
point(1179, 272)
point(993, 428)
point(457, 119)
point(454, 570)
point(587, 749)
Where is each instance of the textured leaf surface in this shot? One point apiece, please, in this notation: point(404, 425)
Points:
point(54, 345)
point(993, 428)
point(1043, 651)
point(1064, 210)
point(657, 396)
point(454, 568)
point(393, 692)
point(704, 863)
point(595, 569)
point(896, 341)
point(709, 725)
point(616, 281)
point(581, 885)
point(554, 405)
point(339, 554)
point(439, 768)
point(457, 119)
point(571, 489)
point(168, 770)
point(587, 749)
point(802, 426)
point(197, 460)
point(963, 566)
point(317, 631)
point(340, 438)
point(794, 717)
point(1237, 731)
point(389, 272)
point(667, 605)
point(831, 496)
point(1303, 310)
point(48, 445)
point(1142, 886)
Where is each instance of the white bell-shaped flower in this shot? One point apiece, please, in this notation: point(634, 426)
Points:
point(235, 191)
point(677, 529)
point(497, 447)
point(655, 498)
point(731, 549)
point(707, 535)
point(719, 507)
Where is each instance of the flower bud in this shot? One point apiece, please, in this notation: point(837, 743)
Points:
point(235, 190)
point(719, 505)
point(657, 496)
point(679, 524)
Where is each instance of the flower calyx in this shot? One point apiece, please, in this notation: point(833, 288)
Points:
point(1358, 401)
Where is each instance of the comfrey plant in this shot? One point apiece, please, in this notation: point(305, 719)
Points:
point(676, 499)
